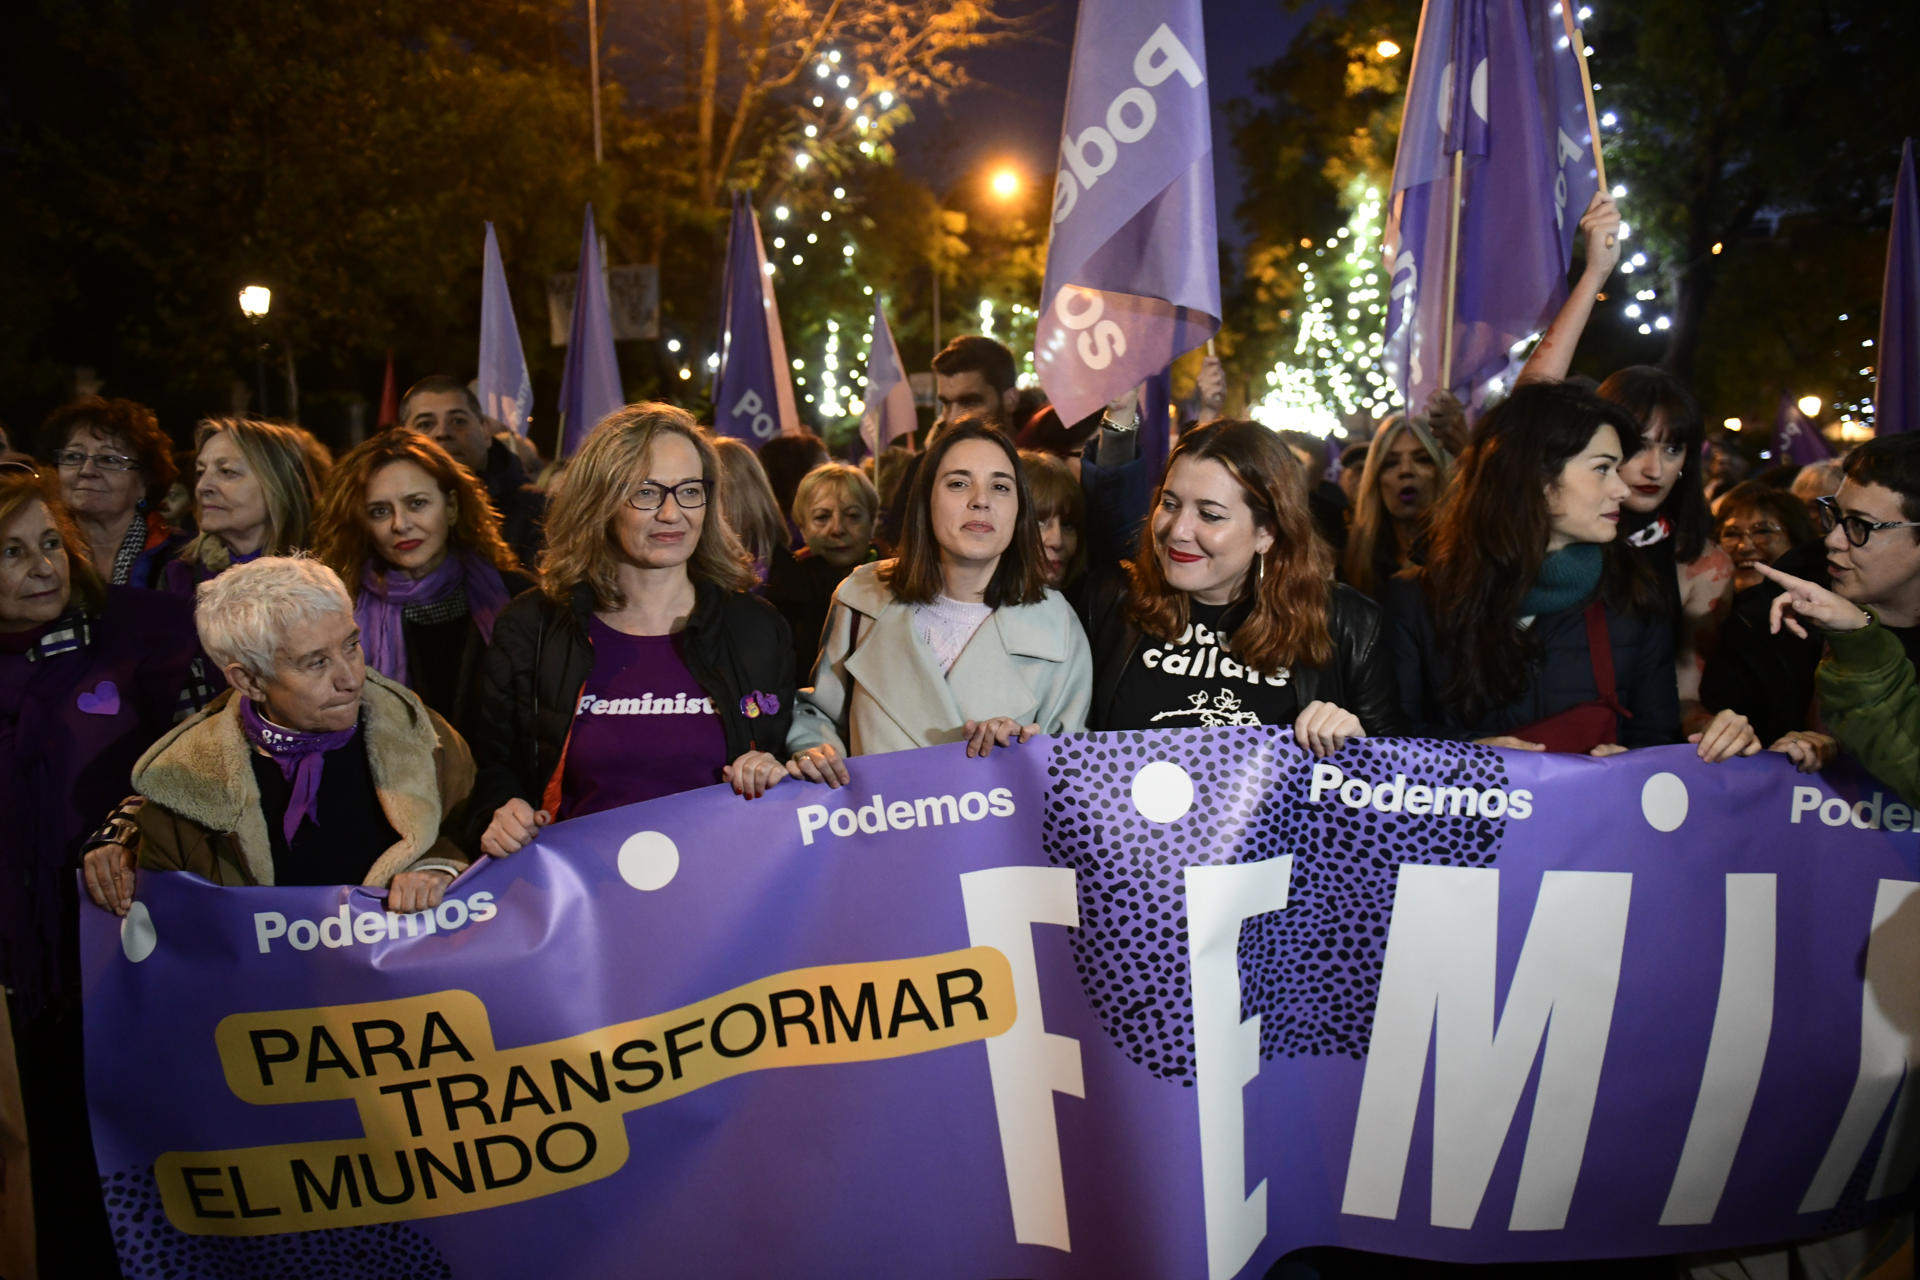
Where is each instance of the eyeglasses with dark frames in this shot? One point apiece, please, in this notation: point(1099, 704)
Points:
point(1857, 528)
point(1732, 534)
point(651, 495)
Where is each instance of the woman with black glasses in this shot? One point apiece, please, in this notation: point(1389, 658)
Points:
point(642, 666)
point(115, 466)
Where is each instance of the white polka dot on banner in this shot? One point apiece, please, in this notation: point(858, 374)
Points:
point(138, 937)
point(1162, 792)
point(1664, 801)
point(649, 860)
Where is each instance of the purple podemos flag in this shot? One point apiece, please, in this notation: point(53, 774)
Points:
point(1795, 439)
point(1496, 81)
point(888, 414)
point(1897, 398)
point(505, 390)
point(1133, 274)
point(590, 384)
point(753, 397)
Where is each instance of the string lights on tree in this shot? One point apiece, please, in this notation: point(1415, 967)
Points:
point(1335, 375)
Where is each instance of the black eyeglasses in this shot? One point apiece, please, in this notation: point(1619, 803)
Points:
point(651, 495)
point(1858, 528)
point(74, 459)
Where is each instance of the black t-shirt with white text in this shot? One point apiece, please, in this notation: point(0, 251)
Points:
point(1195, 682)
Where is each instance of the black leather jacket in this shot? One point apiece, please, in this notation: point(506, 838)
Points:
point(1360, 677)
point(541, 655)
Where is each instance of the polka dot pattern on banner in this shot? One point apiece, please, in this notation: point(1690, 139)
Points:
point(1311, 972)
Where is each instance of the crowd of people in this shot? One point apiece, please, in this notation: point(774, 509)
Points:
point(374, 668)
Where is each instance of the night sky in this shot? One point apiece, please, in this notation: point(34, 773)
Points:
point(1014, 113)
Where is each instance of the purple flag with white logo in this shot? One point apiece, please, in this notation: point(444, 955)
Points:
point(590, 384)
point(1497, 83)
point(505, 390)
point(888, 414)
point(1795, 438)
point(1133, 275)
point(1897, 397)
point(753, 396)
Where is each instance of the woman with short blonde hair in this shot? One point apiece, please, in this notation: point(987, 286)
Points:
point(642, 666)
point(835, 508)
point(256, 485)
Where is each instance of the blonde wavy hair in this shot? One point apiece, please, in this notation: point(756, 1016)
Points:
point(292, 468)
point(581, 544)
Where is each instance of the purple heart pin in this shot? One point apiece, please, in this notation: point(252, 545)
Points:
point(104, 700)
point(769, 702)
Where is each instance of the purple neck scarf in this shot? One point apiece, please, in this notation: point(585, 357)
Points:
point(300, 757)
point(384, 597)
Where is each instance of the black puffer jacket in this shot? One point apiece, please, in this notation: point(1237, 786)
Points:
point(1562, 675)
point(1360, 677)
point(541, 655)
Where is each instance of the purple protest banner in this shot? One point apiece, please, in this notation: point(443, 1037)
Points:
point(1896, 397)
point(888, 412)
point(753, 393)
point(505, 390)
point(1496, 83)
point(1133, 273)
point(1133, 1004)
point(590, 382)
point(1795, 438)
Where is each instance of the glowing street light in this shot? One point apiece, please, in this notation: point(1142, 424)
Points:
point(1387, 49)
point(1005, 183)
point(254, 301)
point(1732, 424)
point(1810, 405)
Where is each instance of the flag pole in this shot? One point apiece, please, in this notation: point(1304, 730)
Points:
point(1579, 43)
point(1453, 270)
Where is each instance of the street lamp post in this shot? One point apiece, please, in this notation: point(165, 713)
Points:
point(1004, 185)
point(255, 299)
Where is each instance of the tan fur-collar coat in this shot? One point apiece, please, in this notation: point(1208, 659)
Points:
point(203, 811)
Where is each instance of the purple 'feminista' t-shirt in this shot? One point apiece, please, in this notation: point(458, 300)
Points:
point(643, 727)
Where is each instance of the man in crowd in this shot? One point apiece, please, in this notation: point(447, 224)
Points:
point(446, 410)
point(1871, 557)
point(973, 379)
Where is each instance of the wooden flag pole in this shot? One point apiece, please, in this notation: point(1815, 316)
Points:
point(1453, 272)
point(1579, 42)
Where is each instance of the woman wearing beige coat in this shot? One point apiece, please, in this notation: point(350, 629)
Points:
point(958, 639)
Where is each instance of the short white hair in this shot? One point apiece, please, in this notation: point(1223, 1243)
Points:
point(244, 614)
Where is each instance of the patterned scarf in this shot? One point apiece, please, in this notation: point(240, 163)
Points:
point(386, 598)
point(300, 756)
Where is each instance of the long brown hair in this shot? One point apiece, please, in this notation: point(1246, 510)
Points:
point(20, 486)
point(1490, 537)
point(341, 539)
point(1291, 586)
point(1371, 542)
point(580, 536)
point(915, 577)
point(752, 511)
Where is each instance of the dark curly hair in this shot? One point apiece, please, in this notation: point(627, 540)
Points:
point(127, 421)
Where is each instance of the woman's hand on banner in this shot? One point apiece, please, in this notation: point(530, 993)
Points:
point(516, 824)
point(412, 891)
point(753, 773)
point(1325, 727)
point(1001, 731)
point(1606, 749)
point(108, 870)
point(1510, 742)
point(821, 764)
point(1727, 735)
point(1810, 752)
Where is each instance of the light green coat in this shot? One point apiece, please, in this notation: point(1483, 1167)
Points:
point(886, 692)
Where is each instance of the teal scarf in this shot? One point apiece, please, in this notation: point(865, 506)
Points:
point(1567, 578)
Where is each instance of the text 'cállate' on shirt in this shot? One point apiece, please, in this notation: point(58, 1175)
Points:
point(1195, 682)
